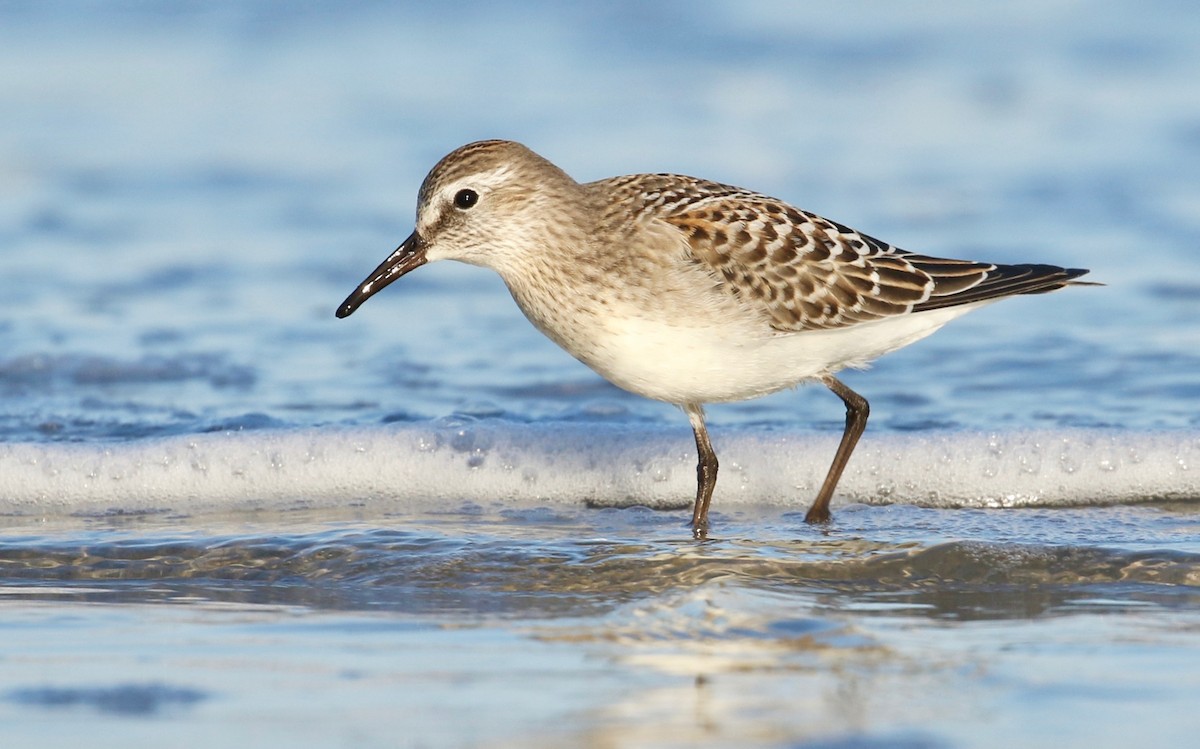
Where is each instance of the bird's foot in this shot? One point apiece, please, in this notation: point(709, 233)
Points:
point(818, 516)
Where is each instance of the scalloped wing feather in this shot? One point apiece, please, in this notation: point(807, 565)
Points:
point(804, 272)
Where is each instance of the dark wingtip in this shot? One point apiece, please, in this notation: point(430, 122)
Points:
point(1007, 280)
point(1073, 273)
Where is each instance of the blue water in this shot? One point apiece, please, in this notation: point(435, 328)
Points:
point(227, 516)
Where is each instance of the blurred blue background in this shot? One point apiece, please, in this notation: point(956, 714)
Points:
point(187, 190)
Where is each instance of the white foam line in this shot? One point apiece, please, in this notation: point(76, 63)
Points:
point(457, 461)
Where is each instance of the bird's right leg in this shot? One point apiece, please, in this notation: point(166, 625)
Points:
point(706, 470)
point(857, 411)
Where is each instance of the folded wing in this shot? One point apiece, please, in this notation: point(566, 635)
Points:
point(804, 272)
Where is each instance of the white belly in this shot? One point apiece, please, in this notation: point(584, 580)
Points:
point(681, 364)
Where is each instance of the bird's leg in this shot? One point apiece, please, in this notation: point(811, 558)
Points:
point(857, 410)
point(706, 470)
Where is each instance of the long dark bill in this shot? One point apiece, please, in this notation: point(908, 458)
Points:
point(408, 256)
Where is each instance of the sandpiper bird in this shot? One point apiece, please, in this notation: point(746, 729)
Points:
point(689, 291)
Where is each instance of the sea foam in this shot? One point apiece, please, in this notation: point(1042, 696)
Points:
point(456, 460)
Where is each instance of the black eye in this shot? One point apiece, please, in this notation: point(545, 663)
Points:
point(465, 198)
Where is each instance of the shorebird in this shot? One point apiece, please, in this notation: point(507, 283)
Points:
point(690, 291)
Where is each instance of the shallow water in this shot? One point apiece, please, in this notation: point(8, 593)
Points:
point(227, 516)
point(897, 626)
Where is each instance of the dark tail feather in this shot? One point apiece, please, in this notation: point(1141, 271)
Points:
point(1002, 281)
